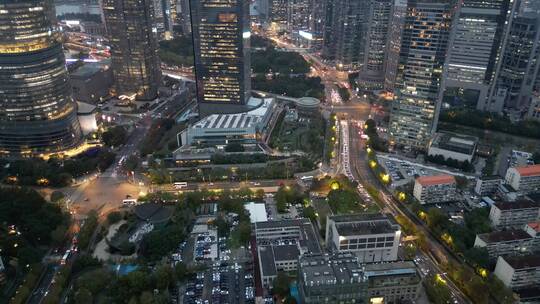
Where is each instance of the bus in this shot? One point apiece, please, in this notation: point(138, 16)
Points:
point(129, 201)
point(180, 185)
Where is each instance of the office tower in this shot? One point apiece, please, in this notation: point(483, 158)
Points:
point(372, 71)
point(38, 114)
point(162, 17)
point(393, 45)
point(221, 32)
point(423, 50)
point(278, 14)
point(132, 36)
point(298, 16)
point(516, 76)
point(474, 49)
point(345, 31)
point(183, 16)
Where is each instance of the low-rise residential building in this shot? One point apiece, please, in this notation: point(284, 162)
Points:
point(373, 237)
point(453, 146)
point(533, 229)
point(487, 185)
point(327, 278)
point(524, 179)
point(505, 243)
point(394, 282)
point(519, 272)
point(274, 258)
point(514, 214)
point(435, 189)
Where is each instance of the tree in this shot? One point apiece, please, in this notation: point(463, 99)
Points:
point(83, 296)
point(114, 136)
point(436, 218)
point(437, 291)
point(164, 275)
point(132, 163)
point(114, 217)
point(281, 285)
point(234, 147)
point(57, 196)
point(58, 234)
point(244, 230)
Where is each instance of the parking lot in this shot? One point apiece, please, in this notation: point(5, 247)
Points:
point(222, 283)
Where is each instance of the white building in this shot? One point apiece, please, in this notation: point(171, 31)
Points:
point(487, 185)
point(458, 147)
point(435, 189)
point(373, 237)
point(220, 129)
point(506, 242)
point(274, 258)
point(518, 272)
point(524, 179)
point(516, 214)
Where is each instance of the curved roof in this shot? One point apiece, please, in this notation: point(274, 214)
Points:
point(307, 102)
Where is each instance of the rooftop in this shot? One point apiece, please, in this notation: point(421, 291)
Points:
point(523, 262)
point(307, 236)
point(454, 142)
point(268, 265)
point(504, 236)
point(364, 223)
point(436, 180)
point(533, 170)
point(327, 269)
point(152, 212)
point(244, 120)
point(390, 269)
point(257, 212)
point(520, 204)
point(535, 226)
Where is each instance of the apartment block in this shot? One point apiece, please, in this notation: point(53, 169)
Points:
point(519, 272)
point(516, 214)
point(524, 179)
point(505, 243)
point(435, 189)
point(394, 282)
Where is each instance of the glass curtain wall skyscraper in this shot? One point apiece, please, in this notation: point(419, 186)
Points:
point(372, 72)
point(475, 46)
point(221, 33)
point(345, 32)
point(37, 113)
point(423, 51)
point(133, 39)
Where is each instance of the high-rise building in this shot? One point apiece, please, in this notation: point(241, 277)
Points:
point(393, 45)
point(422, 55)
point(163, 19)
point(221, 33)
point(278, 14)
point(518, 70)
point(474, 49)
point(183, 16)
point(345, 32)
point(37, 113)
point(372, 72)
point(132, 36)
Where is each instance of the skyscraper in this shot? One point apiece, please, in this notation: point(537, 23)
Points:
point(475, 46)
point(221, 33)
point(37, 113)
point(372, 72)
point(422, 55)
point(132, 36)
point(163, 18)
point(278, 14)
point(345, 32)
point(516, 76)
point(393, 46)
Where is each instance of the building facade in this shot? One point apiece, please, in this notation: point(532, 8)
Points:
point(424, 43)
point(435, 189)
point(504, 215)
point(331, 279)
point(372, 71)
point(519, 65)
point(345, 32)
point(38, 115)
point(393, 47)
point(395, 282)
point(524, 179)
point(132, 36)
point(221, 35)
point(505, 243)
point(475, 47)
point(518, 272)
point(371, 237)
